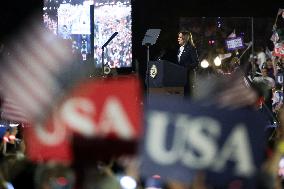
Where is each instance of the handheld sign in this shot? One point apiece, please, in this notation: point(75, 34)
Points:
point(234, 43)
point(278, 50)
point(104, 110)
point(179, 141)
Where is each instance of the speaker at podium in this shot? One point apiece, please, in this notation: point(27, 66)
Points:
point(166, 77)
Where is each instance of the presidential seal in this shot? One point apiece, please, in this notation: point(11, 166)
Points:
point(153, 71)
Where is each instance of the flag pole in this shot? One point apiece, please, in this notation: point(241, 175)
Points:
point(275, 20)
point(274, 26)
point(252, 46)
point(252, 35)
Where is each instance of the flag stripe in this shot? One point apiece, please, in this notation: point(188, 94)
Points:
point(39, 71)
point(42, 55)
point(53, 49)
point(12, 112)
point(30, 74)
point(26, 78)
point(275, 37)
point(19, 93)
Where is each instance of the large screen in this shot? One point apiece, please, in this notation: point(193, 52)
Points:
point(112, 16)
point(71, 20)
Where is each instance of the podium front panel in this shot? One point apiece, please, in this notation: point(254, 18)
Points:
point(164, 73)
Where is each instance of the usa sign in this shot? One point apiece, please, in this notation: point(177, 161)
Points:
point(182, 137)
point(103, 109)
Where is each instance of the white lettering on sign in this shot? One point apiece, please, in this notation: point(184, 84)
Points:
point(115, 120)
point(156, 138)
point(51, 137)
point(234, 43)
point(194, 143)
point(237, 149)
point(204, 145)
point(79, 113)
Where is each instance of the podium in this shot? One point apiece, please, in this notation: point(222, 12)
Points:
point(166, 77)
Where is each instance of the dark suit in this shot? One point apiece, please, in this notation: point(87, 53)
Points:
point(188, 59)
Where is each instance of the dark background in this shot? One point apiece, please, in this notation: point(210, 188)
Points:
point(163, 14)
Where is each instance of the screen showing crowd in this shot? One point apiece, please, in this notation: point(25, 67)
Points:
point(70, 19)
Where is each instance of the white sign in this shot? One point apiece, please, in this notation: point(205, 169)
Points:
point(234, 43)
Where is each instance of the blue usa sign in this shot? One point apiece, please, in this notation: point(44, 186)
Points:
point(182, 137)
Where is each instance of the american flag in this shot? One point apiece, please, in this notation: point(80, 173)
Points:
point(275, 37)
point(12, 112)
point(268, 53)
point(32, 63)
point(280, 11)
point(233, 34)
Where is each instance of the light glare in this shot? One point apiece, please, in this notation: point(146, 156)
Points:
point(128, 182)
point(204, 63)
point(217, 61)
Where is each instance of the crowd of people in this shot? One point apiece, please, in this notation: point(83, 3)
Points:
point(268, 71)
point(110, 18)
point(260, 90)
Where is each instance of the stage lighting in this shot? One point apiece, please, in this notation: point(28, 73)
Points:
point(14, 124)
point(204, 63)
point(217, 61)
point(128, 182)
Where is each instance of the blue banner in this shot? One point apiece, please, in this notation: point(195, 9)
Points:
point(183, 137)
point(234, 43)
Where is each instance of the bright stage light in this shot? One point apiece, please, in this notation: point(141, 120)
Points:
point(14, 124)
point(217, 61)
point(128, 182)
point(204, 63)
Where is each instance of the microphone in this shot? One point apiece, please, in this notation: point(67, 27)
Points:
point(113, 35)
point(162, 53)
